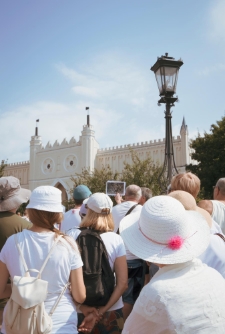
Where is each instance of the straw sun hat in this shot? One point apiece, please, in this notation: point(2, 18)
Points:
point(165, 232)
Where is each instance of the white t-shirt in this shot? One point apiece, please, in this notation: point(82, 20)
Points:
point(214, 255)
point(118, 212)
point(115, 248)
point(35, 248)
point(215, 228)
point(184, 298)
point(218, 213)
point(71, 219)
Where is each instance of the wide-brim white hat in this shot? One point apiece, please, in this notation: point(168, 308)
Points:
point(165, 232)
point(46, 198)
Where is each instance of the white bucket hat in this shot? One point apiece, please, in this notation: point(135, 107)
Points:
point(46, 198)
point(100, 203)
point(165, 232)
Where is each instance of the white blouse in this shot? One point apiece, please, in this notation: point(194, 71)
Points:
point(183, 298)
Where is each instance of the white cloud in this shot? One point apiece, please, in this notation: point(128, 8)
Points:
point(217, 21)
point(212, 69)
point(122, 101)
point(84, 91)
point(57, 121)
point(111, 78)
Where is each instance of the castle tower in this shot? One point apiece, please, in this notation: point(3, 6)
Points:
point(89, 146)
point(185, 157)
point(35, 145)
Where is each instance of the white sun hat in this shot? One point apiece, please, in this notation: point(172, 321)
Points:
point(100, 203)
point(46, 198)
point(165, 232)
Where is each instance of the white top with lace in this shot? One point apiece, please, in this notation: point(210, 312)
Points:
point(183, 298)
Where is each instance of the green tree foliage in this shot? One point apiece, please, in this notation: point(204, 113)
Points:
point(144, 173)
point(2, 167)
point(210, 154)
point(96, 180)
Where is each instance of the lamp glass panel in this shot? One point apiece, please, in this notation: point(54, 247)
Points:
point(158, 77)
point(170, 79)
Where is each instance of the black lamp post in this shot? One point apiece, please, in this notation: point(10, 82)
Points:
point(166, 72)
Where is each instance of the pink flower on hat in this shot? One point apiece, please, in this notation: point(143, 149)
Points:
point(175, 242)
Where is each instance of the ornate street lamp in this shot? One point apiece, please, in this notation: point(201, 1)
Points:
point(166, 72)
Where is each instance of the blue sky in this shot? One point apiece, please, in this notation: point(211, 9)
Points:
point(57, 57)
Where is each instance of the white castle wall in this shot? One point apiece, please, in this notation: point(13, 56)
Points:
point(19, 170)
point(55, 164)
point(115, 156)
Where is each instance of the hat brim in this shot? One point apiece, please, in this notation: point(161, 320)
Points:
point(22, 196)
point(194, 245)
point(46, 207)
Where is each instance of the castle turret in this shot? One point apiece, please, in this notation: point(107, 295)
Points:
point(185, 157)
point(35, 145)
point(89, 145)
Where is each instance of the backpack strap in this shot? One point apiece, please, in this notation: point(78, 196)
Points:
point(221, 236)
point(21, 254)
point(58, 299)
point(131, 209)
point(49, 254)
point(45, 262)
point(128, 212)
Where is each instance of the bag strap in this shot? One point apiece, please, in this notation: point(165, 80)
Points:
point(21, 254)
point(49, 254)
point(46, 260)
point(221, 236)
point(131, 209)
point(58, 299)
point(128, 212)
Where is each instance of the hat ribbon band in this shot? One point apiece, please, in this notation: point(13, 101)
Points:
point(174, 243)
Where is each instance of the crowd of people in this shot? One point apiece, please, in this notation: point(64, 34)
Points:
point(149, 264)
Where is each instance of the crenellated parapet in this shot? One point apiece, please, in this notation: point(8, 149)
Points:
point(57, 145)
point(55, 163)
point(18, 164)
point(142, 144)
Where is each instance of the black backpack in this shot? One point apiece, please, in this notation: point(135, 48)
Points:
point(98, 276)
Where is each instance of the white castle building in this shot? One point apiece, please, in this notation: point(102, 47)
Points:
point(55, 164)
